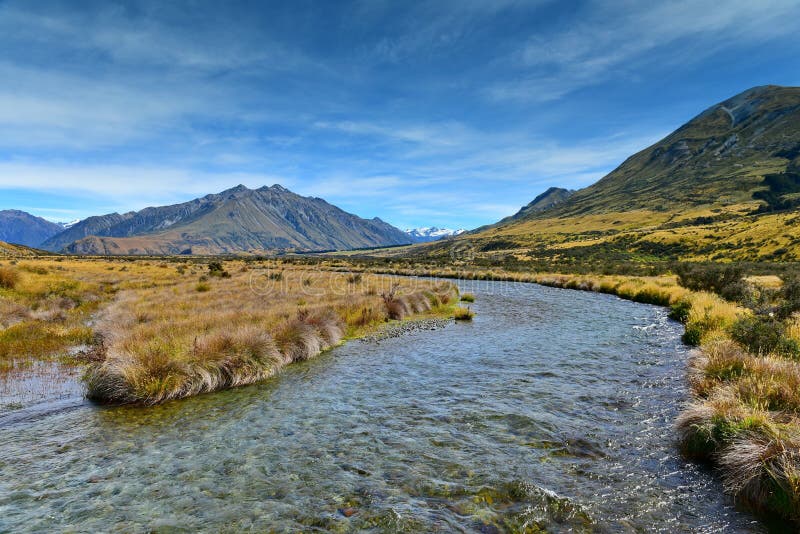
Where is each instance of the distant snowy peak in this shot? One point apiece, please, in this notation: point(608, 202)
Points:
point(423, 235)
point(69, 224)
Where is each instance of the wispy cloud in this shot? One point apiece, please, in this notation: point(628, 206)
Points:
point(615, 38)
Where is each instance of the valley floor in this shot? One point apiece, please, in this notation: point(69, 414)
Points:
point(152, 330)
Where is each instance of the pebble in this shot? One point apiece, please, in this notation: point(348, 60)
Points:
point(406, 327)
point(348, 512)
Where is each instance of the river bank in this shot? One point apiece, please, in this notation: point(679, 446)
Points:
point(742, 414)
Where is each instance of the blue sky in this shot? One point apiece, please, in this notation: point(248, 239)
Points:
point(450, 112)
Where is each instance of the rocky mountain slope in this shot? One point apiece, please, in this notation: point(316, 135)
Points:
point(234, 221)
point(23, 228)
point(549, 199)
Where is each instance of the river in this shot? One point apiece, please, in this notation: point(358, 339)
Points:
point(552, 410)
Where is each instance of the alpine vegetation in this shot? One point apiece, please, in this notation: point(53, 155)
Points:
point(170, 342)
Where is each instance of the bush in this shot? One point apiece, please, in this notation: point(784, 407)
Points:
point(467, 297)
point(463, 314)
point(202, 287)
point(790, 297)
point(724, 280)
point(215, 268)
point(693, 335)
point(680, 311)
point(9, 278)
point(764, 335)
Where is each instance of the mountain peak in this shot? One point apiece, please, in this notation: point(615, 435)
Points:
point(431, 233)
point(552, 197)
point(235, 220)
point(238, 189)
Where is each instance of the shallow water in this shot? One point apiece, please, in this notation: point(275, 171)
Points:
point(552, 410)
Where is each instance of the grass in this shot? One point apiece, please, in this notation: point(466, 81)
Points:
point(168, 342)
point(463, 314)
point(467, 297)
point(155, 333)
point(9, 277)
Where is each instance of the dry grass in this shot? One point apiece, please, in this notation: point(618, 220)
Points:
point(763, 472)
point(170, 342)
point(9, 277)
point(463, 314)
point(161, 334)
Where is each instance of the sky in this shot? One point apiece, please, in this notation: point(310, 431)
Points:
point(452, 113)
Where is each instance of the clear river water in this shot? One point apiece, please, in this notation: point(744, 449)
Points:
point(552, 411)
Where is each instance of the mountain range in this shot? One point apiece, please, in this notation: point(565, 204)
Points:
point(432, 233)
point(237, 220)
point(725, 185)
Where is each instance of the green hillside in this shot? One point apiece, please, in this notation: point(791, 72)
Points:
point(724, 186)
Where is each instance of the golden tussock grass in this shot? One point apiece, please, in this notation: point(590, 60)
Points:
point(170, 342)
point(9, 277)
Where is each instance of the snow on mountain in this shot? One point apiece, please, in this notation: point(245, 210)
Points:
point(69, 224)
point(432, 233)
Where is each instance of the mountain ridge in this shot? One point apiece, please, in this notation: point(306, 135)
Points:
point(236, 220)
point(723, 186)
point(21, 228)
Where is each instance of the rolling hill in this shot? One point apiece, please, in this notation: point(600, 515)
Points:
point(234, 221)
point(23, 228)
point(10, 250)
point(725, 185)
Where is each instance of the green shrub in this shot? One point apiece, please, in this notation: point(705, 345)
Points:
point(790, 297)
point(202, 287)
point(467, 297)
point(215, 268)
point(725, 280)
point(680, 311)
point(764, 335)
point(693, 335)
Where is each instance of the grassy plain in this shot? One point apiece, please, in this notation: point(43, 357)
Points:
point(157, 329)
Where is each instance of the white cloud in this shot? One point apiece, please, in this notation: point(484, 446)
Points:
point(127, 187)
point(611, 39)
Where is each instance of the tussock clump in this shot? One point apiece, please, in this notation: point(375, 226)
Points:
point(705, 427)
point(467, 297)
point(763, 472)
point(202, 287)
point(463, 314)
point(719, 361)
point(770, 383)
point(9, 277)
point(12, 313)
